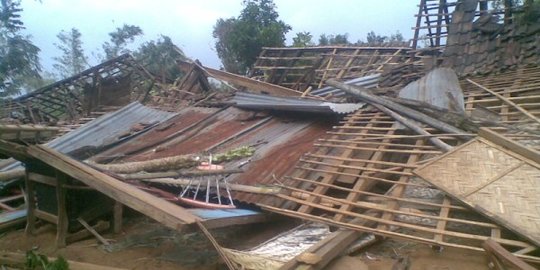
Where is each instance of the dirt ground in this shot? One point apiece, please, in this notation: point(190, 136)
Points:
point(144, 244)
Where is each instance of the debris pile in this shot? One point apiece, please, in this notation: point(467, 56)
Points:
point(327, 150)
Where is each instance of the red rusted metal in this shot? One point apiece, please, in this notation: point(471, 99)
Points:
point(278, 144)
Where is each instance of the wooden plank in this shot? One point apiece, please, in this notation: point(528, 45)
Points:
point(62, 217)
point(327, 249)
point(499, 252)
point(513, 146)
point(250, 84)
point(30, 205)
point(43, 179)
point(46, 216)
point(168, 214)
point(93, 232)
point(118, 210)
point(101, 226)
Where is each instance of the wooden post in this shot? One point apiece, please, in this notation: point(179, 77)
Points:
point(62, 226)
point(417, 29)
point(30, 205)
point(118, 210)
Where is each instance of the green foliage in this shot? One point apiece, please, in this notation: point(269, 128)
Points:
point(375, 40)
point(39, 261)
point(19, 61)
point(303, 39)
point(237, 153)
point(240, 40)
point(223, 32)
point(339, 39)
point(120, 38)
point(73, 60)
point(531, 13)
point(159, 57)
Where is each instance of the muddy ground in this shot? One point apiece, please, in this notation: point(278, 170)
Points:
point(144, 244)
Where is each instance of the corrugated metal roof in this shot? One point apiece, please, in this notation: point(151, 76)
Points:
point(370, 81)
point(105, 129)
point(265, 102)
point(278, 142)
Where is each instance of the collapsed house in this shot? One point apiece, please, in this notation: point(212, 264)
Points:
point(435, 145)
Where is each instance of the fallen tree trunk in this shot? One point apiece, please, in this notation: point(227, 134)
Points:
point(174, 163)
point(154, 165)
point(364, 95)
point(11, 174)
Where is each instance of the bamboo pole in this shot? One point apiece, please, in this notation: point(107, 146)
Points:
point(506, 100)
point(414, 127)
point(364, 95)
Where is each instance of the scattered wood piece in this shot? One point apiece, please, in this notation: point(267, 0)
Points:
point(100, 226)
point(500, 257)
point(94, 232)
point(216, 245)
point(326, 250)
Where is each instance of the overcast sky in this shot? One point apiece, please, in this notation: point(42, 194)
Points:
point(190, 23)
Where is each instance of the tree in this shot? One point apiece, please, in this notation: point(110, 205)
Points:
point(19, 61)
point(159, 57)
point(120, 39)
point(376, 40)
point(73, 60)
point(303, 39)
point(223, 31)
point(339, 39)
point(240, 40)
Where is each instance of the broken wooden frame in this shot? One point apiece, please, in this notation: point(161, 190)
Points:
point(434, 18)
point(301, 68)
point(519, 86)
point(366, 165)
point(76, 96)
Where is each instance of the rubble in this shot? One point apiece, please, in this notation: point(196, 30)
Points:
point(347, 146)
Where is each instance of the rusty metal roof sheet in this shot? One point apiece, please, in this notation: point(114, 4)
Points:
point(105, 129)
point(279, 141)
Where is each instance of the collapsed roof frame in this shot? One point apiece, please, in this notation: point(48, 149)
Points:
point(65, 99)
point(308, 67)
point(433, 20)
